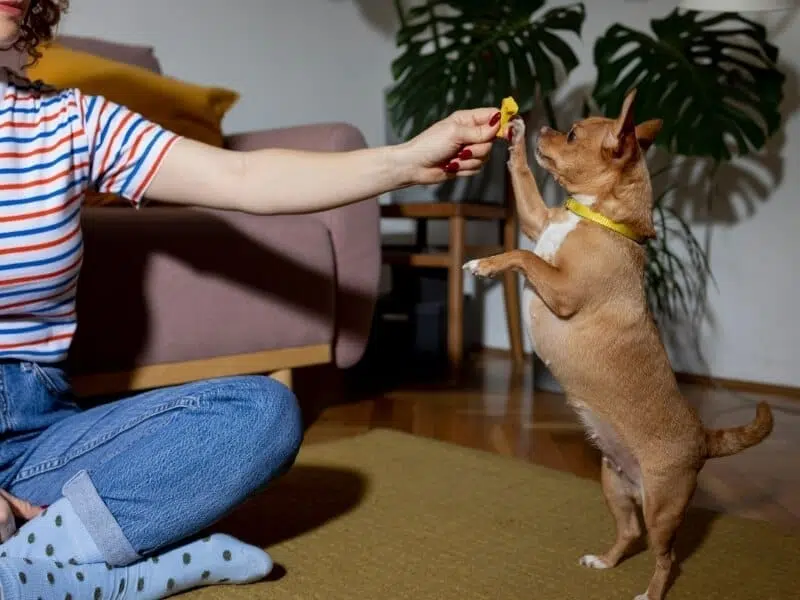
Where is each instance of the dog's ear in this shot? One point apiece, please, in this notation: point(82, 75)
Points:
point(646, 132)
point(625, 123)
point(623, 132)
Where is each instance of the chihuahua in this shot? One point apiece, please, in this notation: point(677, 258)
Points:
point(586, 310)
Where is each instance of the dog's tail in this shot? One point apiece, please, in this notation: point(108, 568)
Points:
point(724, 442)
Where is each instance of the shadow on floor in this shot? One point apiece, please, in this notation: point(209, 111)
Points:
point(305, 499)
point(694, 531)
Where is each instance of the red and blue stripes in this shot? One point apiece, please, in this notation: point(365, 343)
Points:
point(54, 146)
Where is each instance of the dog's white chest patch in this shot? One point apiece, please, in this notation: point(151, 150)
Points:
point(554, 235)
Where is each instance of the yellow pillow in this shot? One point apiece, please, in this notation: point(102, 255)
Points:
point(190, 110)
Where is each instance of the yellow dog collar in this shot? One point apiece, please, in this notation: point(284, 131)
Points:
point(587, 213)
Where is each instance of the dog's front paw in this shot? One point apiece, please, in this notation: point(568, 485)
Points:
point(642, 597)
point(478, 267)
point(593, 562)
point(516, 132)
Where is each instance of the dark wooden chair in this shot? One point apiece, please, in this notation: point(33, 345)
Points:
point(455, 254)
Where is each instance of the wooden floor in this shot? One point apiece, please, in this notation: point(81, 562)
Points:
point(496, 411)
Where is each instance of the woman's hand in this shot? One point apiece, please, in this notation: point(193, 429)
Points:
point(12, 508)
point(458, 145)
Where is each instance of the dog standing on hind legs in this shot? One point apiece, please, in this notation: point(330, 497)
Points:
point(586, 310)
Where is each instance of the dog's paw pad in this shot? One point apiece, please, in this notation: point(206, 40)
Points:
point(593, 562)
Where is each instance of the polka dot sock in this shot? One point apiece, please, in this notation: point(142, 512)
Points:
point(218, 559)
point(56, 534)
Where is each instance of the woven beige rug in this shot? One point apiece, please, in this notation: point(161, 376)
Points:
point(387, 515)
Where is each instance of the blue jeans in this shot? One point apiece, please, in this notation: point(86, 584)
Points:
point(150, 470)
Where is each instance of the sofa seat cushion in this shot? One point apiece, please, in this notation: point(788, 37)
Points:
point(175, 284)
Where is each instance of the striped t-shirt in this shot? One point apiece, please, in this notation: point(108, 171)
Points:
point(55, 145)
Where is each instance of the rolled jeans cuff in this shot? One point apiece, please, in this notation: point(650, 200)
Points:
point(106, 533)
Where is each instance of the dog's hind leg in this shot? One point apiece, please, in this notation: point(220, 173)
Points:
point(622, 498)
point(665, 501)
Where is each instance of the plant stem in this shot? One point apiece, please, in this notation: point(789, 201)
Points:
point(550, 112)
point(436, 41)
point(401, 15)
point(663, 170)
point(702, 294)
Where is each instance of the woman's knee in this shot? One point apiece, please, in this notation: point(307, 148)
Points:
point(279, 415)
point(265, 419)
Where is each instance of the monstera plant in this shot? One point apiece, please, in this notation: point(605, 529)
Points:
point(459, 54)
point(712, 79)
point(714, 82)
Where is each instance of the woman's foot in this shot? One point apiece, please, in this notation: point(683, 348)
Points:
point(218, 559)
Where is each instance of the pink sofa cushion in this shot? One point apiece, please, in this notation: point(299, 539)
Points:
point(11, 59)
point(132, 54)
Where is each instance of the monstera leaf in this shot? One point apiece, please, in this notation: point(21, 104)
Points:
point(712, 80)
point(459, 54)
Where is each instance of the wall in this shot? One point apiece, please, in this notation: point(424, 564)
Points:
point(286, 57)
point(288, 60)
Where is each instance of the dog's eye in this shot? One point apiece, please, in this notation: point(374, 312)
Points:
point(571, 136)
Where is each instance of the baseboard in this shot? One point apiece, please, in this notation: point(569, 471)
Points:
point(501, 352)
point(737, 385)
point(740, 385)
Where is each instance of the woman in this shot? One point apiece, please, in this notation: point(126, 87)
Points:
point(127, 480)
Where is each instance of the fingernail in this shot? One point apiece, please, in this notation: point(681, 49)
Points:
point(465, 154)
point(495, 120)
point(452, 167)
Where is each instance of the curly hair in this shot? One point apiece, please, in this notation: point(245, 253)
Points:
point(39, 26)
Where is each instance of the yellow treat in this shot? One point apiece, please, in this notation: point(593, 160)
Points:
point(508, 109)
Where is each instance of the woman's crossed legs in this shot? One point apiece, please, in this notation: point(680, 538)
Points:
point(129, 479)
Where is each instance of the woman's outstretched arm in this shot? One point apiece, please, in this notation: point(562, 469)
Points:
point(273, 181)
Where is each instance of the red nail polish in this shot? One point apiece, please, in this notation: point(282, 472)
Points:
point(465, 154)
point(452, 167)
point(495, 120)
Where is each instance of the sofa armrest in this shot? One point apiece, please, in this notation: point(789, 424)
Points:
point(320, 137)
point(354, 230)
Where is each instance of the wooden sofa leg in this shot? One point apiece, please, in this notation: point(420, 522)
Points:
point(284, 376)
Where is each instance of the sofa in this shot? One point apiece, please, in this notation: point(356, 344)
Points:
point(173, 294)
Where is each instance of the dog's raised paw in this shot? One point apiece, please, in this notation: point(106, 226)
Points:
point(593, 562)
point(474, 267)
point(470, 265)
point(517, 129)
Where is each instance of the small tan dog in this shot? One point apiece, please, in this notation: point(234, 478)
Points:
point(586, 310)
